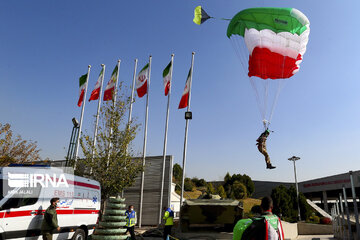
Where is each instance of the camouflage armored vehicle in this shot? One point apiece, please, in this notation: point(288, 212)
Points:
point(210, 212)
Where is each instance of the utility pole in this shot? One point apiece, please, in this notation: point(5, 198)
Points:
point(294, 159)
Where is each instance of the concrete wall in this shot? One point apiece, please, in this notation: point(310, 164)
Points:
point(314, 229)
point(290, 230)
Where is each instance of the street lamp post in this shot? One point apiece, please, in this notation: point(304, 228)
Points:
point(293, 158)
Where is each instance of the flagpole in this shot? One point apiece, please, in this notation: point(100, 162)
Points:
point(186, 133)
point(81, 118)
point(145, 138)
point(132, 93)
point(114, 104)
point(165, 142)
point(97, 114)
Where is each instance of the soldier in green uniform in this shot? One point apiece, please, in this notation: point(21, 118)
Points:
point(261, 143)
point(50, 222)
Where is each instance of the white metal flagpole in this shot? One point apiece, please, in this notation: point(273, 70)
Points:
point(186, 133)
point(97, 114)
point(145, 138)
point(114, 104)
point(132, 92)
point(81, 118)
point(165, 141)
point(98, 109)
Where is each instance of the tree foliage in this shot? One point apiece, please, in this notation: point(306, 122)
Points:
point(111, 160)
point(239, 190)
point(233, 190)
point(285, 203)
point(221, 191)
point(210, 189)
point(15, 149)
point(177, 176)
point(188, 184)
point(199, 182)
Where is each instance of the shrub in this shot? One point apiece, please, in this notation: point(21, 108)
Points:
point(325, 220)
point(188, 185)
point(239, 190)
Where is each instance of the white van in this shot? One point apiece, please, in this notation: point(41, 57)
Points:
point(21, 218)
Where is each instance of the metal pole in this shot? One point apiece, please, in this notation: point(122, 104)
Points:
point(81, 118)
point(114, 104)
point(132, 92)
point(353, 193)
point(342, 214)
point(97, 115)
point(145, 138)
point(186, 134)
point(165, 142)
point(293, 158)
point(297, 192)
point(73, 146)
point(347, 213)
point(98, 111)
point(71, 140)
point(339, 218)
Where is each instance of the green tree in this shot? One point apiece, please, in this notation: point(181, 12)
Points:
point(177, 175)
point(250, 187)
point(177, 172)
point(15, 149)
point(285, 203)
point(188, 185)
point(210, 188)
point(111, 160)
point(239, 190)
point(221, 191)
point(202, 183)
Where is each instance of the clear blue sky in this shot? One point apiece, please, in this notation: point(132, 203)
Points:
point(46, 45)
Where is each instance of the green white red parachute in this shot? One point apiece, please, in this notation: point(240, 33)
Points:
point(270, 43)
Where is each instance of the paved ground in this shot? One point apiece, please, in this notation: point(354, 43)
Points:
point(316, 237)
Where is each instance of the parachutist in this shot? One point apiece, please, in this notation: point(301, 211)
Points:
point(261, 143)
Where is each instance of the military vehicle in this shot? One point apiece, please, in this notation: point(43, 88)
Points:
point(210, 213)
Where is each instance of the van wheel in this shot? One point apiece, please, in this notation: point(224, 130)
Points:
point(79, 235)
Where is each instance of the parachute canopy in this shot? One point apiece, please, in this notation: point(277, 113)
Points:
point(200, 16)
point(276, 39)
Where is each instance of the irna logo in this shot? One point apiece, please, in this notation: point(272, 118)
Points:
point(33, 180)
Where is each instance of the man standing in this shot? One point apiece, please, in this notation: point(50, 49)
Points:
point(169, 221)
point(268, 226)
point(131, 221)
point(50, 222)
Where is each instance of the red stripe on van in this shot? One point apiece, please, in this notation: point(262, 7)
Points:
point(39, 212)
point(82, 184)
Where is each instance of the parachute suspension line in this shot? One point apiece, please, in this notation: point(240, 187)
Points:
point(238, 53)
point(280, 86)
point(258, 101)
point(266, 96)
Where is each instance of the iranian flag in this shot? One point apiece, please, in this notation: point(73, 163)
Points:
point(184, 102)
point(110, 87)
point(167, 78)
point(141, 81)
point(82, 84)
point(96, 92)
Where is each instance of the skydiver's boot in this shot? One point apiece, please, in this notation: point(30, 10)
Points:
point(269, 166)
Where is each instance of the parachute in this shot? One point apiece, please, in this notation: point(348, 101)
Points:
point(200, 16)
point(271, 42)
